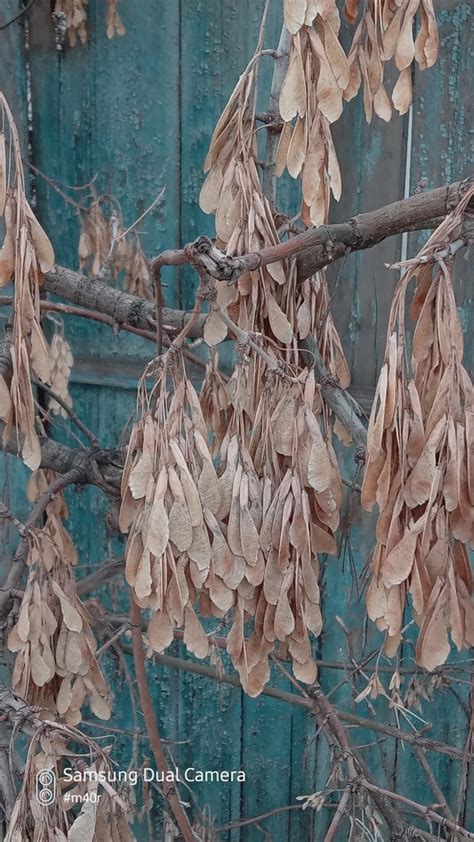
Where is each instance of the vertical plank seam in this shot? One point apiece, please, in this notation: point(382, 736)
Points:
point(179, 154)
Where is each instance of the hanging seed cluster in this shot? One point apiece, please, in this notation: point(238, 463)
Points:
point(170, 496)
point(284, 475)
point(385, 32)
point(102, 243)
point(75, 14)
point(244, 221)
point(320, 77)
point(312, 91)
point(240, 543)
point(240, 540)
point(26, 254)
point(55, 665)
point(61, 364)
point(420, 468)
point(103, 814)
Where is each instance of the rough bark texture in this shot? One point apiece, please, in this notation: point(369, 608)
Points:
point(124, 308)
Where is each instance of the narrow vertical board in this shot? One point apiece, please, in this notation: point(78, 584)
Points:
point(13, 77)
point(222, 36)
point(208, 718)
point(442, 152)
point(109, 109)
point(13, 474)
point(372, 161)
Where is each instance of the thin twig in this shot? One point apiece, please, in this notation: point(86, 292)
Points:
point(436, 789)
point(137, 221)
point(338, 815)
point(110, 642)
point(429, 814)
point(169, 789)
point(292, 699)
point(72, 415)
point(17, 16)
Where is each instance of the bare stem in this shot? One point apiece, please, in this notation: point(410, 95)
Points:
point(169, 788)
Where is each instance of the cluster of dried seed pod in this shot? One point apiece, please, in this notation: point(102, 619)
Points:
point(312, 91)
point(241, 538)
point(114, 21)
point(284, 483)
point(420, 468)
point(103, 242)
point(55, 665)
point(244, 221)
point(104, 813)
point(99, 230)
point(75, 14)
point(170, 495)
point(296, 486)
point(385, 32)
point(320, 77)
point(61, 364)
point(26, 255)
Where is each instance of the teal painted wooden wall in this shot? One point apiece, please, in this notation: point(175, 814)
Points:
point(139, 111)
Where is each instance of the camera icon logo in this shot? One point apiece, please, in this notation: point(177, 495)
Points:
point(45, 787)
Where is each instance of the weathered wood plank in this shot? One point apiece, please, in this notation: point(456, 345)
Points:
point(372, 161)
point(443, 152)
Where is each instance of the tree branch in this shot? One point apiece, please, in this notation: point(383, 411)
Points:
point(61, 458)
point(99, 577)
point(345, 408)
point(292, 699)
point(429, 815)
point(169, 789)
point(321, 246)
point(94, 442)
point(19, 559)
point(314, 249)
point(124, 308)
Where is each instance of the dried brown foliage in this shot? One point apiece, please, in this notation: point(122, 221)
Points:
point(103, 242)
point(247, 534)
point(320, 77)
point(75, 14)
point(312, 91)
point(102, 815)
point(420, 468)
point(61, 365)
point(55, 665)
point(25, 255)
point(385, 32)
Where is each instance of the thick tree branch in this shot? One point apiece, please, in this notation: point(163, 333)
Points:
point(314, 249)
point(124, 308)
point(60, 458)
point(345, 408)
point(321, 246)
